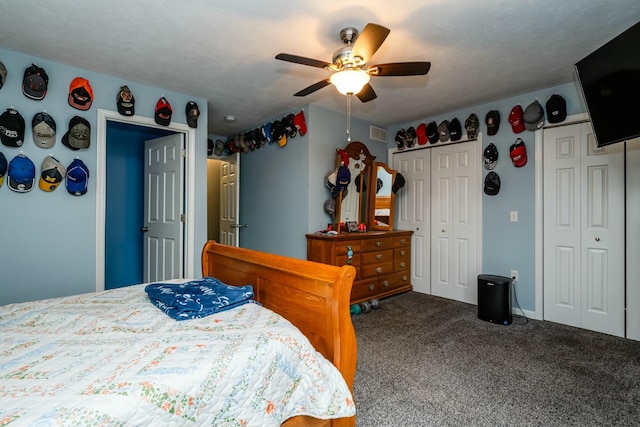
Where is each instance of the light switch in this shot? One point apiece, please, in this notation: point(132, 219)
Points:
point(514, 216)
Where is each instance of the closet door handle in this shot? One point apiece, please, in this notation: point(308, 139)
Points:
point(597, 239)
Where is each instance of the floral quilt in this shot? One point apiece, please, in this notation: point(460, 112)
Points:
point(114, 359)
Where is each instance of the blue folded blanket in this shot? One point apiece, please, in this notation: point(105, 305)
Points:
point(197, 298)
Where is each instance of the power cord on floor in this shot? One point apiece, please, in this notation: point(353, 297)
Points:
point(515, 297)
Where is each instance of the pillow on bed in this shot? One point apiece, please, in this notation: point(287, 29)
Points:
point(197, 298)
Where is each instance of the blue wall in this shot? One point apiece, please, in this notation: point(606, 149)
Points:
point(510, 245)
point(49, 239)
point(283, 191)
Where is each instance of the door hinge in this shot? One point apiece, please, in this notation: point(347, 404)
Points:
point(183, 218)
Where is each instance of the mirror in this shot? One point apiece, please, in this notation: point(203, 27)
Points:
point(382, 199)
point(353, 205)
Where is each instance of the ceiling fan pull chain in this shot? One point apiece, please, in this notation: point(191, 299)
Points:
point(349, 118)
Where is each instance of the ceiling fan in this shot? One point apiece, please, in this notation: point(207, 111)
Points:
point(350, 63)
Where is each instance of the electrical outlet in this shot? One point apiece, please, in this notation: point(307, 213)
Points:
point(514, 275)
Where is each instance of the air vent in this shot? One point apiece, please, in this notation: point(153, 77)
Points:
point(377, 134)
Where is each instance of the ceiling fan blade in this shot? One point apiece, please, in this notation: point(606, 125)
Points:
point(367, 94)
point(302, 60)
point(369, 41)
point(314, 87)
point(400, 69)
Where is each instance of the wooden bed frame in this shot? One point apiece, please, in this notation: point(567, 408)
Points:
point(313, 296)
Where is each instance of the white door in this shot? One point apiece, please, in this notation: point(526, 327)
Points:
point(454, 221)
point(230, 201)
point(413, 212)
point(163, 219)
point(583, 230)
point(633, 244)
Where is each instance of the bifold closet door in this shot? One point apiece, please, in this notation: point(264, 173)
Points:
point(413, 212)
point(455, 205)
point(584, 253)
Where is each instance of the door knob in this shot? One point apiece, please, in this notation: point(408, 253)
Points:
point(144, 229)
point(597, 239)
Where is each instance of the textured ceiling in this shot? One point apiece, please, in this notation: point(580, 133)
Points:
point(223, 51)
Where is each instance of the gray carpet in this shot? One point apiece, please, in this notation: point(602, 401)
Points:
point(428, 361)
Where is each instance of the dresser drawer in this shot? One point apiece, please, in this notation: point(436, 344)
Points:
point(393, 281)
point(400, 241)
point(356, 261)
point(364, 289)
point(401, 259)
point(373, 270)
point(343, 247)
point(377, 244)
point(376, 257)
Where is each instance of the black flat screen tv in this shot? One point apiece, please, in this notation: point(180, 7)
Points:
point(610, 81)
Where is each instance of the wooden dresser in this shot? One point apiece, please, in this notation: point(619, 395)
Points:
point(382, 260)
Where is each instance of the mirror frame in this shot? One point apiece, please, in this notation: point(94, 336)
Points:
point(372, 198)
point(354, 149)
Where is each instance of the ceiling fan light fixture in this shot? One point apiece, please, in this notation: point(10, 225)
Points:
point(349, 82)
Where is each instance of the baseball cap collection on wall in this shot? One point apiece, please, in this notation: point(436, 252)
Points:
point(447, 131)
point(20, 172)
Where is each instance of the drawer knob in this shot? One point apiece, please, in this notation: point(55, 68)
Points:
point(385, 283)
point(378, 269)
point(402, 264)
point(379, 257)
point(403, 253)
point(402, 241)
point(378, 243)
point(405, 278)
point(371, 286)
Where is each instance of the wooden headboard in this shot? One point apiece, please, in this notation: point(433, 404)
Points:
point(313, 296)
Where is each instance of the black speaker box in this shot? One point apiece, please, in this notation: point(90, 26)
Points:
point(494, 299)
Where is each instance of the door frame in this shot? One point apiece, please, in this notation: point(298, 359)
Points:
point(539, 199)
point(188, 251)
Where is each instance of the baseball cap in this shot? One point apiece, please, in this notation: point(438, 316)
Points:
point(490, 156)
point(401, 139)
point(77, 180)
point(398, 183)
point(443, 130)
point(277, 133)
point(516, 118)
point(51, 175)
point(79, 134)
point(534, 116)
point(3, 168)
point(455, 130)
point(471, 125)
point(3, 74)
point(44, 130)
point(330, 206)
point(22, 174)
point(193, 112)
point(125, 101)
point(163, 112)
point(492, 121)
point(492, 184)
point(421, 134)
point(80, 94)
point(556, 109)
point(432, 132)
point(300, 123)
point(518, 153)
point(266, 132)
point(34, 82)
point(410, 136)
point(12, 128)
